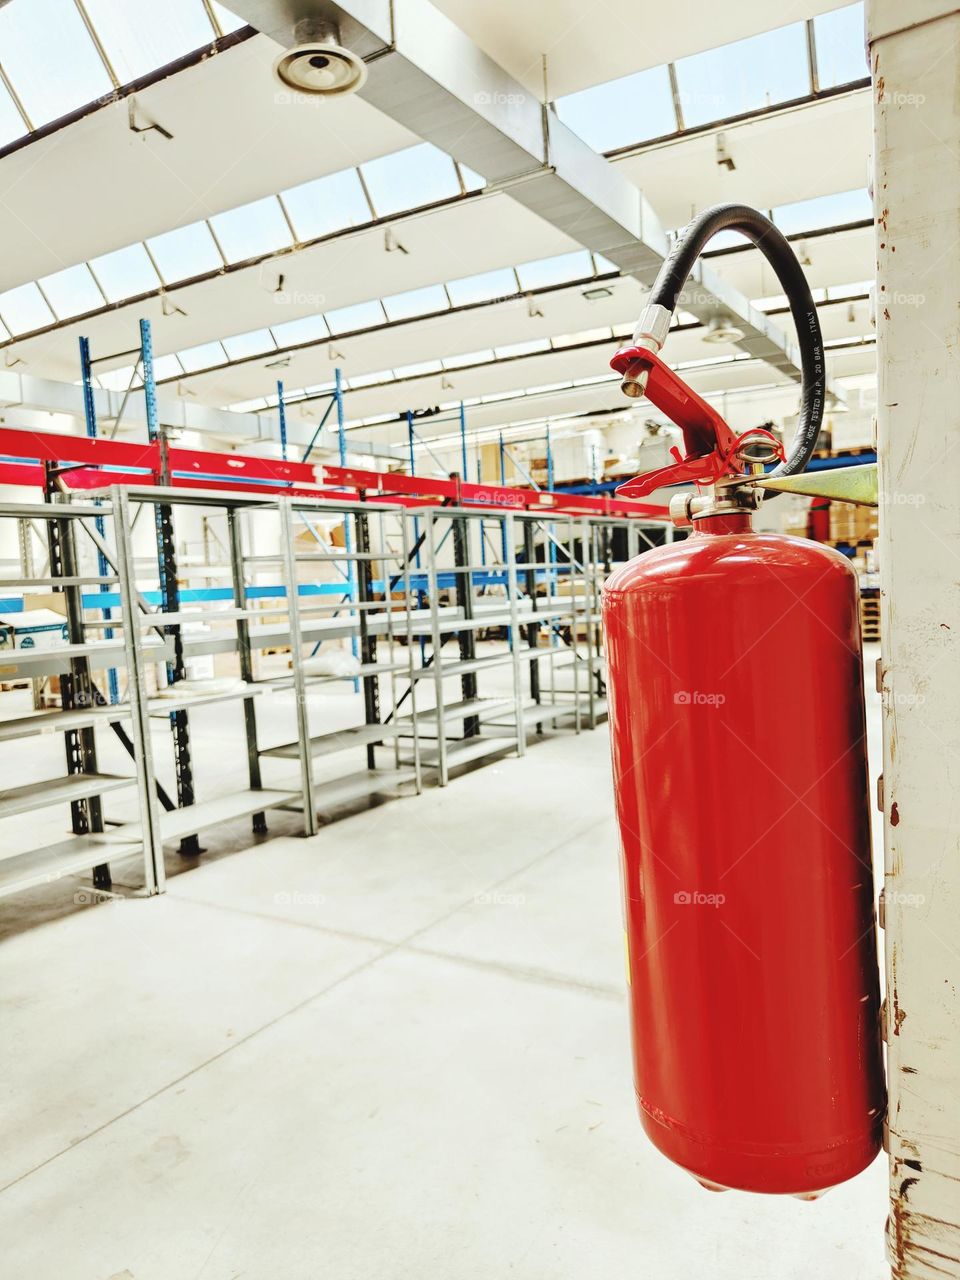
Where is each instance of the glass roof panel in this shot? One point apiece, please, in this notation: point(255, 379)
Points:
point(547, 271)
point(307, 329)
point(468, 358)
point(585, 335)
point(743, 76)
point(252, 229)
point(327, 204)
point(622, 111)
point(12, 124)
point(249, 344)
point(118, 379)
point(23, 309)
point(529, 348)
point(248, 406)
point(202, 357)
point(167, 366)
point(125, 272)
point(486, 287)
point(839, 37)
point(140, 35)
point(418, 370)
point(472, 181)
point(364, 315)
point(410, 178)
point(228, 21)
point(824, 211)
point(417, 302)
point(50, 59)
point(72, 292)
point(185, 252)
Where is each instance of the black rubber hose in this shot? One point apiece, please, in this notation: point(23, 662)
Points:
point(776, 249)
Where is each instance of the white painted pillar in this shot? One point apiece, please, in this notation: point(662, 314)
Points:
point(915, 56)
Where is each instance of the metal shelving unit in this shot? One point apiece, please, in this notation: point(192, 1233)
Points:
point(475, 631)
point(367, 617)
point(91, 841)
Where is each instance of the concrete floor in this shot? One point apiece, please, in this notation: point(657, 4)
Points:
point(396, 1050)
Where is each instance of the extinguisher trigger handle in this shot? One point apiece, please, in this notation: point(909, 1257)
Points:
point(712, 448)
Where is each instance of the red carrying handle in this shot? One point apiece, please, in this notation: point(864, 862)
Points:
point(710, 445)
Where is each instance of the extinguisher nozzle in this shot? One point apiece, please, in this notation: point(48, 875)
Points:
point(634, 386)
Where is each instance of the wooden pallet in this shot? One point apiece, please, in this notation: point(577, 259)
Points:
point(870, 614)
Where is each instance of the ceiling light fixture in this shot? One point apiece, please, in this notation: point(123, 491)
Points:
point(318, 65)
point(721, 329)
point(596, 293)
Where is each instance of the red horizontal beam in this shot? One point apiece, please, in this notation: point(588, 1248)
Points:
point(98, 463)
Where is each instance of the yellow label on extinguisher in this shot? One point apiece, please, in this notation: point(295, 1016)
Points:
point(626, 956)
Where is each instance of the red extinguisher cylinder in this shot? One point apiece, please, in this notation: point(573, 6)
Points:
point(740, 768)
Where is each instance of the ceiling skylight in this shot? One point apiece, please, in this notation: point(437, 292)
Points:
point(72, 292)
point(840, 37)
point(185, 252)
point(327, 204)
point(623, 111)
point(252, 229)
point(139, 35)
point(744, 76)
point(49, 58)
point(406, 179)
point(125, 272)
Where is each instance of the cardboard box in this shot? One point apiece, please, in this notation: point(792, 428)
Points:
point(33, 629)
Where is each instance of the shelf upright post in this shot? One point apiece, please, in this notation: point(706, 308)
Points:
point(245, 655)
point(586, 535)
point(511, 562)
point(467, 638)
point(368, 642)
point(137, 694)
point(282, 410)
point(463, 441)
point(573, 625)
point(296, 657)
point(76, 689)
point(169, 591)
point(411, 665)
point(347, 534)
point(431, 549)
point(90, 421)
point(551, 543)
point(530, 580)
point(503, 485)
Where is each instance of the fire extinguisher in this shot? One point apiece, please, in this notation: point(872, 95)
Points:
point(739, 756)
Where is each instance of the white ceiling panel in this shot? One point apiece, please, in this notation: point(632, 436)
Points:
point(588, 44)
point(812, 150)
point(838, 259)
point(94, 186)
point(441, 245)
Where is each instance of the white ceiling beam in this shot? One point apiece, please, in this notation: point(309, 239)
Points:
point(428, 75)
point(19, 390)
